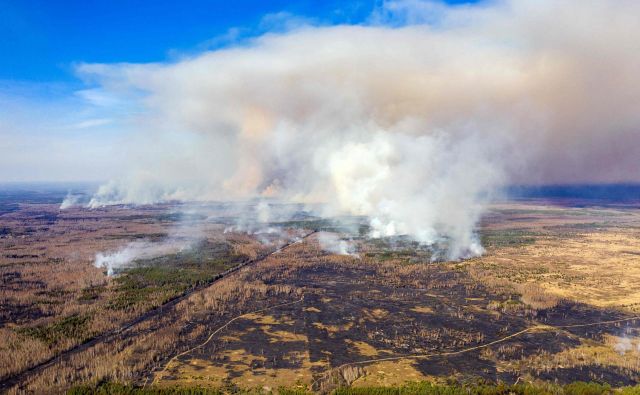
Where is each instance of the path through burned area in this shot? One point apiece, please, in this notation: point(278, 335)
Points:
point(357, 309)
point(124, 336)
point(351, 309)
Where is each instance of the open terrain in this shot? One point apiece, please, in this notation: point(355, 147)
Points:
point(554, 299)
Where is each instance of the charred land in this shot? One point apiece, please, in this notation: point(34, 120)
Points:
point(554, 300)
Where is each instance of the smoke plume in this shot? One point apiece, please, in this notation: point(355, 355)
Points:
point(333, 243)
point(413, 119)
point(127, 255)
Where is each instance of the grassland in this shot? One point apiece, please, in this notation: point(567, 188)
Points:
point(411, 388)
point(52, 297)
point(555, 299)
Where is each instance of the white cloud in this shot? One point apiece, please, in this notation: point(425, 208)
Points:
point(90, 123)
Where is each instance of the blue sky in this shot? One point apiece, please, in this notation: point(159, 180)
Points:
point(41, 40)
point(56, 126)
point(80, 79)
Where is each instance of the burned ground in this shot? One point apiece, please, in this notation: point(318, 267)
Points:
point(49, 280)
point(308, 318)
point(362, 309)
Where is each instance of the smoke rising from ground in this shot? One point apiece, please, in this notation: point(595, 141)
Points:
point(127, 255)
point(333, 243)
point(413, 119)
point(70, 200)
point(186, 234)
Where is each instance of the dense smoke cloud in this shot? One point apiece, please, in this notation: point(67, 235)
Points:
point(413, 119)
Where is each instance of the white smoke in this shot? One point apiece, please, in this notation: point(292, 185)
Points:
point(427, 186)
point(626, 342)
point(71, 200)
point(184, 235)
point(412, 120)
point(261, 219)
point(137, 250)
point(623, 345)
point(332, 243)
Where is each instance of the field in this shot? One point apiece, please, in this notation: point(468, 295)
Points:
point(555, 299)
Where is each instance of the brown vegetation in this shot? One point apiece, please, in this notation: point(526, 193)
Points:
point(545, 266)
